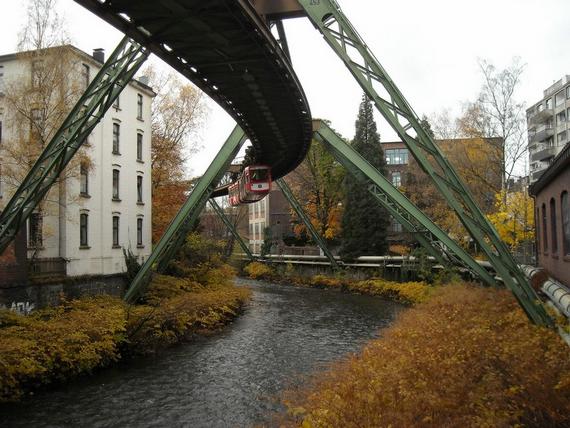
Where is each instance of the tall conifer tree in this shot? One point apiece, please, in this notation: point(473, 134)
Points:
point(365, 222)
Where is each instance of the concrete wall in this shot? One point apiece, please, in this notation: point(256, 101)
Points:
point(25, 299)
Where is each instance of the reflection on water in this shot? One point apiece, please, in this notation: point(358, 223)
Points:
point(232, 379)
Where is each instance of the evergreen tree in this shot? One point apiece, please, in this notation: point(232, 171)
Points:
point(365, 222)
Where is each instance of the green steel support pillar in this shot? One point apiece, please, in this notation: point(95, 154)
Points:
point(231, 228)
point(307, 221)
point(115, 74)
point(435, 240)
point(181, 225)
point(342, 37)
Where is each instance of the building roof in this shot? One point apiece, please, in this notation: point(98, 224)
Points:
point(560, 162)
point(87, 57)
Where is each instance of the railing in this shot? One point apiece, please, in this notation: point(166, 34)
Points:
point(48, 266)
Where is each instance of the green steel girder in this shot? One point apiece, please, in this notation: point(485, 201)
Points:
point(307, 221)
point(115, 74)
point(178, 229)
point(231, 228)
point(342, 37)
point(428, 234)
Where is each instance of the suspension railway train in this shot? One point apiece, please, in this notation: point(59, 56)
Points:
point(252, 186)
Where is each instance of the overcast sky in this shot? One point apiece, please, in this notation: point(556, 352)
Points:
point(429, 48)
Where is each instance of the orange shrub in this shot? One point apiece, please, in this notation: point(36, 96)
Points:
point(466, 358)
point(257, 270)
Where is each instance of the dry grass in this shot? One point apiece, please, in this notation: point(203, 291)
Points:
point(466, 358)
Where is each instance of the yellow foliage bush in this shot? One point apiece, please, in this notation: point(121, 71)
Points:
point(324, 282)
point(467, 358)
point(404, 292)
point(58, 343)
point(55, 344)
point(257, 270)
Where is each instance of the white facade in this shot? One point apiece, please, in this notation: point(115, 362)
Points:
point(105, 205)
point(548, 123)
point(258, 221)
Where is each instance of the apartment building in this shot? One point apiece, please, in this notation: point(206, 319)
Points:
point(102, 203)
point(548, 126)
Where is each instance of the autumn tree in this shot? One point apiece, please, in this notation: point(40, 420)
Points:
point(37, 98)
point(317, 182)
point(178, 112)
point(364, 221)
point(514, 217)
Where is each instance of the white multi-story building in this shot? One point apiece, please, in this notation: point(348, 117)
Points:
point(548, 123)
point(104, 204)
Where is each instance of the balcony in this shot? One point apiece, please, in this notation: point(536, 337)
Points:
point(541, 116)
point(542, 134)
point(544, 154)
point(536, 175)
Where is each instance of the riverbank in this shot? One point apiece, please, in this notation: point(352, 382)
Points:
point(467, 357)
point(54, 345)
point(408, 293)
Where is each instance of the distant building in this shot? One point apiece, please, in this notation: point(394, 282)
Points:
point(104, 203)
point(467, 155)
point(548, 126)
point(271, 212)
point(551, 194)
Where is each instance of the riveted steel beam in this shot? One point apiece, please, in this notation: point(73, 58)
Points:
point(231, 228)
point(307, 221)
point(182, 224)
point(99, 96)
point(342, 37)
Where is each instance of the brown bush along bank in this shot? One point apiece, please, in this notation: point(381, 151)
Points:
point(405, 292)
point(468, 357)
point(56, 344)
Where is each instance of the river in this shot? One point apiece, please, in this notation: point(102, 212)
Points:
point(230, 379)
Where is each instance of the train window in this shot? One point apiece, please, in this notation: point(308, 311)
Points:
point(259, 174)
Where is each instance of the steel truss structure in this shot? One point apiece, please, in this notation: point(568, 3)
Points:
point(99, 96)
point(220, 212)
point(183, 222)
point(307, 221)
point(341, 36)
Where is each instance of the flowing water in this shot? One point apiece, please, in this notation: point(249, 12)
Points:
point(231, 379)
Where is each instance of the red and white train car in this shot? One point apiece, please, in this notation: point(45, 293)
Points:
point(253, 185)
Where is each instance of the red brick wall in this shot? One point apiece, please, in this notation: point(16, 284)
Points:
point(556, 264)
point(13, 263)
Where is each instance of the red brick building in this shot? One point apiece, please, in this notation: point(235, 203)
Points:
point(551, 194)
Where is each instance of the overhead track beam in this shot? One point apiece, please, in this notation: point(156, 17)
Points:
point(342, 37)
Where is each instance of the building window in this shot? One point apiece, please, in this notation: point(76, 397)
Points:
point(565, 208)
point(116, 176)
point(553, 232)
point(84, 179)
point(37, 67)
point(83, 230)
point(139, 106)
point(568, 92)
point(116, 138)
point(396, 179)
point(561, 117)
point(396, 227)
point(139, 146)
point(397, 156)
point(115, 231)
point(544, 230)
point(85, 75)
point(139, 232)
point(559, 98)
point(561, 137)
point(35, 238)
point(537, 227)
point(549, 104)
point(117, 102)
point(139, 189)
